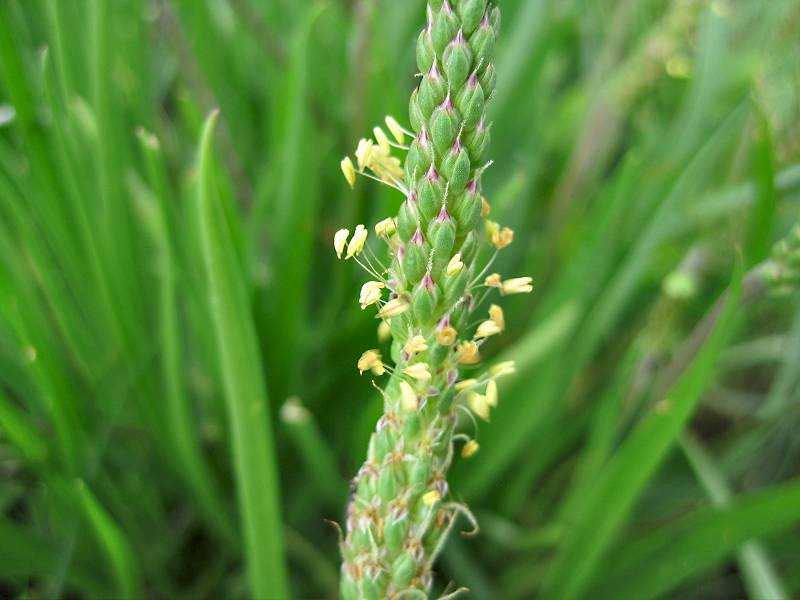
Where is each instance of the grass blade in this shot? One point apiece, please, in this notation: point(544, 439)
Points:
point(654, 565)
point(627, 474)
point(245, 394)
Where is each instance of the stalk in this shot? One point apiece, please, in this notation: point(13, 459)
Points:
point(400, 511)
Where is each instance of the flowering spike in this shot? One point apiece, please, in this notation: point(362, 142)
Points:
point(398, 517)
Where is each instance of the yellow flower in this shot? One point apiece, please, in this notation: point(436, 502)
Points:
point(478, 405)
point(356, 244)
point(383, 140)
point(371, 361)
point(340, 240)
point(384, 331)
point(469, 449)
point(349, 171)
point(496, 315)
point(370, 293)
point(487, 329)
point(385, 227)
point(468, 353)
point(394, 307)
point(431, 498)
point(446, 336)
point(504, 368)
point(408, 397)
point(455, 265)
point(466, 384)
point(494, 280)
point(364, 153)
point(486, 208)
point(415, 345)
point(418, 371)
point(503, 238)
point(491, 393)
point(396, 130)
point(518, 285)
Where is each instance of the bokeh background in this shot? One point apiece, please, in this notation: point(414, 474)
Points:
point(646, 153)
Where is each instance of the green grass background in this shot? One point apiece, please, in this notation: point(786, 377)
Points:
point(167, 283)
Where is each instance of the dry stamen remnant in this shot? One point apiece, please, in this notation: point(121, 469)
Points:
point(400, 512)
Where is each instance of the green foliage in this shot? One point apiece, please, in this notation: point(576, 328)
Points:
point(164, 293)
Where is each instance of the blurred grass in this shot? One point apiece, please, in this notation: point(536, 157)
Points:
point(640, 147)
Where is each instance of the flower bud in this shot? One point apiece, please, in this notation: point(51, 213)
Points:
point(482, 43)
point(404, 568)
point(431, 195)
point(454, 288)
point(444, 126)
point(488, 80)
point(471, 13)
point(477, 141)
point(373, 585)
point(408, 218)
point(425, 299)
point(443, 236)
point(432, 90)
point(425, 52)
point(494, 19)
point(415, 113)
point(415, 262)
point(444, 27)
point(420, 156)
point(469, 209)
point(420, 471)
point(387, 485)
point(456, 166)
point(469, 248)
point(457, 59)
point(470, 102)
point(394, 532)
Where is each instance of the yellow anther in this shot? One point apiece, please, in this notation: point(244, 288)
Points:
point(371, 361)
point(371, 293)
point(356, 244)
point(469, 449)
point(418, 371)
point(349, 171)
point(491, 393)
point(396, 306)
point(494, 280)
point(468, 353)
point(487, 329)
point(455, 265)
point(408, 397)
point(396, 131)
point(446, 336)
point(518, 285)
point(496, 315)
point(478, 405)
point(416, 345)
point(340, 241)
